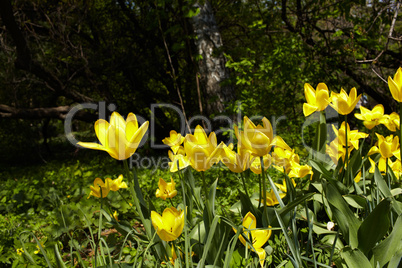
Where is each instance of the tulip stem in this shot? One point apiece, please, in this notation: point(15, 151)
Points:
point(244, 184)
point(400, 134)
point(135, 198)
point(204, 185)
point(347, 152)
point(264, 189)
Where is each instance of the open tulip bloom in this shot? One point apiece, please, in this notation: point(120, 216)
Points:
point(174, 141)
point(371, 118)
point(107, 186)
point(343, 103)
point(258, 237)
point(202, 151)
point(120, 138)
point(166, 189)
point(170, 225)
point(317, 100)
point(395, 85)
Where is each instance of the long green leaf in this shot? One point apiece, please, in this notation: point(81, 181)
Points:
point(347, 221)
point(354, 258)
point(390, 246)
point(375, 226)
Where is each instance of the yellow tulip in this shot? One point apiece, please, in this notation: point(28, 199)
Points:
point(117, 184)
point(395, 85)
point(299, 171)
point(371, 118)
point(396, 168)
point(98, 185)
point(271, 198)
point(236, 162)
point(353, 136)
point(115, 215)
point(390, 121)
point(317, 100)
point(20, 251)
point(335, 150)
point(255, 165)
point(107, 186)
point(386, 146)
point(202, 151)
point(120, 138)
point(343, 103)
point(358, 177)
point(179, 158)
point(258, 237)
point(283, 187)
point(174, 141)
point(166, 190)
point(283, 159)
point(170, 225)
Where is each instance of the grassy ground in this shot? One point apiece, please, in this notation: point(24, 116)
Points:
point(48, 201)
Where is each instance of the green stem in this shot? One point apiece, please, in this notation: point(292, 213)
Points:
point(204, 185)
point(400, 132)
point(136, 201)
point(347, 151)
point(264, 187)
point(244, 184)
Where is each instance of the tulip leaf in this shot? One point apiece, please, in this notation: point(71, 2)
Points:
point(347, 221)
point(375, 226)
point(390, 247)
point(320, 137)
point(290, 206)
point(208, 243)
point(381, 184)
point(211, 197)
point(354, 258)
point(318, 166)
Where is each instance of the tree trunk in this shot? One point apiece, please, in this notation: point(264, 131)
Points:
point(212, 64)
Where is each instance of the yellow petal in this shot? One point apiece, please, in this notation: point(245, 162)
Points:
point(249, 221)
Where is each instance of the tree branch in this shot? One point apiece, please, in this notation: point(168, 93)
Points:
point(59, 112)
point(24, 59)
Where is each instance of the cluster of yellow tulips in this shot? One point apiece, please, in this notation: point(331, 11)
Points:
point(257, 149)
point(347, 140)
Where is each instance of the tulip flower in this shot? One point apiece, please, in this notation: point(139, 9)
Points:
point(358, 177)
point(170, 225)
point(395, 85)
point(236, 162)
point(371, 118)
point(255, 165)
point(166, 190)
point(317, 100)
point(299, 171)
point(271, 198)
point(107, 186)
point(178, 160)
point(257, 139)
point(391, 121)
point(396, 168)
point(117, 184)
point(174, 141)
point(343, 103)
point(335, 150)
point(120, 138)
point(115, 215)
point(387, 147)
point(202, 151)
point(283, 187)
point(258, 237)
point(283, 159)
point(98, 185)
point(353, 136)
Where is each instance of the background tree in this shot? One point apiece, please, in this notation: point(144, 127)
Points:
point(55, 54)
